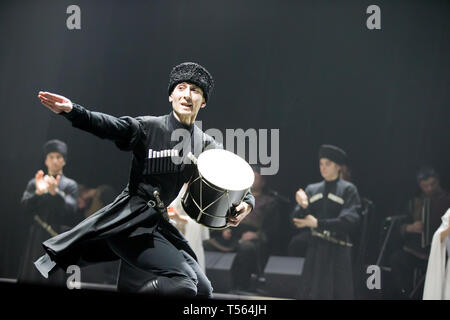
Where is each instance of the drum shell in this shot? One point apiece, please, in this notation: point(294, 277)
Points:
point(216, 202)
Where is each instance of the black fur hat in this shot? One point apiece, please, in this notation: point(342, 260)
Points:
point(333, 153)
point(426, 172)
point(55, 146)
point(193, 73)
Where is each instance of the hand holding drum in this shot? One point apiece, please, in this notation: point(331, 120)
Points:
point(215, 192)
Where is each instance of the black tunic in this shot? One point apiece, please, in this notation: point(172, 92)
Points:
point(129, 212)
point(58, 211)
point(327, 273)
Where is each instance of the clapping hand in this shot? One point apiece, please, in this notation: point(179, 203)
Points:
point(46, 184)
point(40, 184)
point(52, 184)
point(301, 198)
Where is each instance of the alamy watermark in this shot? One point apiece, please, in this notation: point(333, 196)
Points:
point(73, 21)
point(374, 280)
point(260, 146)
point(74, 280)
point(373, 22)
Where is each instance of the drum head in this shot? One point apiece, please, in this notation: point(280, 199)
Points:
point(225, 170)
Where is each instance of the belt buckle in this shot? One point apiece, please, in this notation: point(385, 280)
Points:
point(152, 203)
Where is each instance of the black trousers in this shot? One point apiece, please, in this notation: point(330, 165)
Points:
point(151, 256)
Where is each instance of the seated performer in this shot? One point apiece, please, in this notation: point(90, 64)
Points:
point(155, 257)
point(424, 217)
point(330, 209)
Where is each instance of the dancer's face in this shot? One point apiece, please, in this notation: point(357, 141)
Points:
point(329, 169)
point(187, 99)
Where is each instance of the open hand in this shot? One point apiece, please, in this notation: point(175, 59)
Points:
point(55, 102)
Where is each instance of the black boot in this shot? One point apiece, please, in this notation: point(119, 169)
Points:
point(150, 287)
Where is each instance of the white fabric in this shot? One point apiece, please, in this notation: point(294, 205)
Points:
point(194, 232)
point(437, 280)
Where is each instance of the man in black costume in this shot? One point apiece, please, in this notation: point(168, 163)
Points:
point(330, 209)
point(155, 257)
point(50, 205)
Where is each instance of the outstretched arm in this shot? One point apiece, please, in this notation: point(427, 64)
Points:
point(123, 131)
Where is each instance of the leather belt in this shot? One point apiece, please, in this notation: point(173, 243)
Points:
point(326, 235)
point(158, 205)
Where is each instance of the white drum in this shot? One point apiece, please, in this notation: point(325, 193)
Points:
point(220, 182)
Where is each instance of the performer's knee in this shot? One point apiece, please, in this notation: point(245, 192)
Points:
point(204, 289)
point(177, 286)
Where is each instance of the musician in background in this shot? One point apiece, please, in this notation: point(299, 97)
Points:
point(424, 217)
point(50, 203)
point(330, 209)
point(298, 244)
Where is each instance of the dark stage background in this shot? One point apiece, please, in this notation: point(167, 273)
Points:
point(309, 68)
